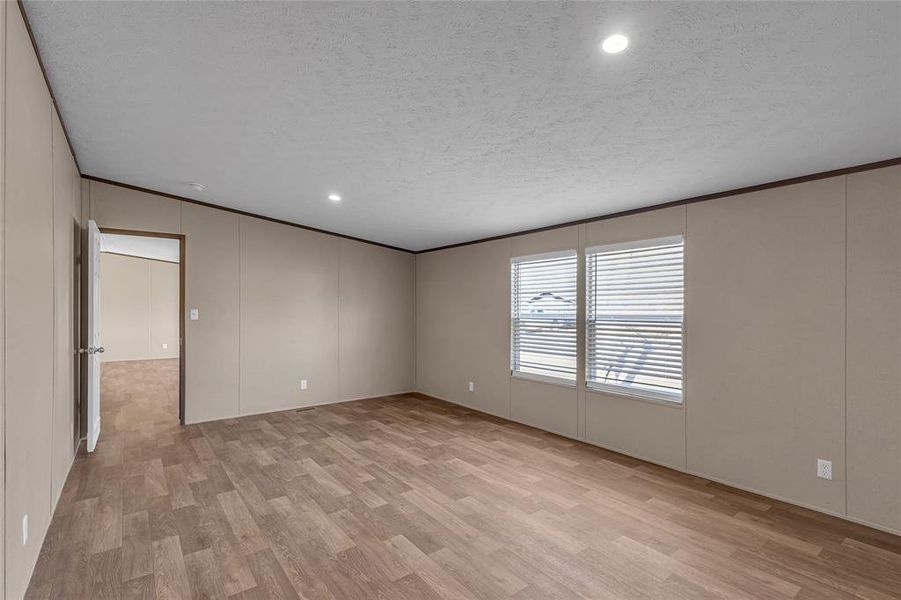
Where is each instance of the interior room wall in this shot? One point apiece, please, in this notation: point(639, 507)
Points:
point(374, 314)
point(776, 294)
point(212, 284)
point(29, 304)
point(766, 341)
point(650, 430)
point(277, 305)
point(67, 238)
point(289, 317)
point(139, 309)
point(376, 292)
point(41, 228)
point(462, 320)
point(873, 368)
point(3, 299)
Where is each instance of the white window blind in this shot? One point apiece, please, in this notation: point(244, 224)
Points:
point(543, 321)
point(634, 322)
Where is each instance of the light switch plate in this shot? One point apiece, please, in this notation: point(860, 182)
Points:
point(195, 314)
point(303, 384)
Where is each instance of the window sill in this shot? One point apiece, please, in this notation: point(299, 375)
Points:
point(543, 379)
point(642, 396)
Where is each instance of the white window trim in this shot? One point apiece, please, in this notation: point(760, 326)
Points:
point(548, 379)
point(674, 399)
point(561, 381)
point(543, 256)
point(635, 245)
point(657, 397)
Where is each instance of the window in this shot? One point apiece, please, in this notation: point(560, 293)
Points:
point(543, 325)
point(634, 324)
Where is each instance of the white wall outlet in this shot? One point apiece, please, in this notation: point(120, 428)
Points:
point(303, 384)
point(165, 346)
point(472, 386)
point(824, 469)
point(195, 314)
point(25, 529)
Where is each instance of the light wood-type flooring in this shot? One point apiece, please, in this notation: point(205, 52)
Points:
point(411, 498)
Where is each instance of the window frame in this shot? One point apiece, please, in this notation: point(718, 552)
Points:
point(576, 321)
point(669, 398)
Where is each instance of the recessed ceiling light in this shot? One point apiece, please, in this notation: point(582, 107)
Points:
point(334, 197)
point(615, 44)
point(197, 187)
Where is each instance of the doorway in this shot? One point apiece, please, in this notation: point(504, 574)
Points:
point(137, 324)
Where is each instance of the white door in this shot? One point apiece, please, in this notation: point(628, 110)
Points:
point(94, 348)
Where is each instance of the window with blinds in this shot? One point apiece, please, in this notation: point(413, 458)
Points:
point(634, 317)
point(543, 321)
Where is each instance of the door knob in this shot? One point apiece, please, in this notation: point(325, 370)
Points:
point(99, 350)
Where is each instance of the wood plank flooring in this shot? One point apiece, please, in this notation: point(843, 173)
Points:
point(411, 498)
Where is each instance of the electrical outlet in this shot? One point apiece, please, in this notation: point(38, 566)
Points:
point(165, 346)
point(472, 386)
point(25, 529)
point(824, 469)
point(303, 384)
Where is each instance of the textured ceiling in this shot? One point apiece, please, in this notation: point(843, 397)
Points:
point(447, 122)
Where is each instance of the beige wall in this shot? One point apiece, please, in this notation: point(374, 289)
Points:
point(29, 303)
point(650, 430)
point(376, 318)
point(138, 308)
point(462, 321)
point(42, 209)
point(766, 336)
point(67, 239)
point(289, 317)
point(529, 399)
point(3, 22)
point(874, 347)
point(212, 284)
point(277, 304)
point(766, 341)
point(808, 275)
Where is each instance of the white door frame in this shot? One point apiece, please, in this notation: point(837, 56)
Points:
point(94, 349)
point(181, 315)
